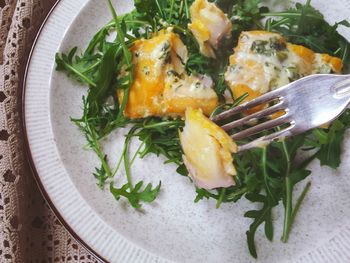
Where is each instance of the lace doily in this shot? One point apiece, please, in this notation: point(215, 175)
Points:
point(29, 231)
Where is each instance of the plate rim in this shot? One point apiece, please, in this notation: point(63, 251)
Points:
point(27, 150)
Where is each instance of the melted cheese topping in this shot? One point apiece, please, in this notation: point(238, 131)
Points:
point(183, 91)
point(209, 25)
point(326, 64)
point(161, 85)
point(207, 151)
point(263, 61)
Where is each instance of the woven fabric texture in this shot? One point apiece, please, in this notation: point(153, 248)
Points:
point(29, 231)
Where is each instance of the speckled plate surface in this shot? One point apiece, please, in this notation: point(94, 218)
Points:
point(173, 228)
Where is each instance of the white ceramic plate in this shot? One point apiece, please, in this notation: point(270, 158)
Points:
point(173, 228)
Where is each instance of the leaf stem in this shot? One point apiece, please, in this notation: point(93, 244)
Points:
point(161, 124)
point(289, 14)
point(265, 174)
point(268, 26)
point(288, 209)
point(298, 204)
point(81, 75)
point(281, 22)
point(221, 197)
point(101, 156)
point(186, 10)
point(98, 62)
point(345, 52)
point(94, 144)
point(120, 35)
point(240, 192)
point(127, 162)
point(139, 150)
point(160, 10)
point(171, 10)
point(119, 161)
point(289, 195)
point(127, 57)
point(181, 8)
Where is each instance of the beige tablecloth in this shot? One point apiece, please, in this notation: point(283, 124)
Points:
point(29, 231)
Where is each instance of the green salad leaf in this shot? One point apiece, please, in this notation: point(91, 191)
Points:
point(262, 216)
point(306, 26)
point(136, 194)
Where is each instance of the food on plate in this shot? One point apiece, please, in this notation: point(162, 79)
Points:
point(161, 86)
point(173, 65)
point(209, 25)
point(208, 151)
point(264, 61)
point(325, 64)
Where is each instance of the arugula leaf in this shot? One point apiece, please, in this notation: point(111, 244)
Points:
point(161, 137)
point(76, 67)
point(163, 13)
point(101, 175)
point(88, 127)
point(136, 195)
point(330, 141)
point(150, 7)
point(105, 77)
point(127, 60)
point(203, 193)
point(99, 40)
point(260, 216)
point(245, 14)
point(182, 170)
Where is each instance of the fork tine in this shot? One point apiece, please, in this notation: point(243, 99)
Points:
point(258, 115)
point(261, 127)
point(264, 140)
point(250, 104)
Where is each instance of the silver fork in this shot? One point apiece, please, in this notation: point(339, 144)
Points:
point(307, 103)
